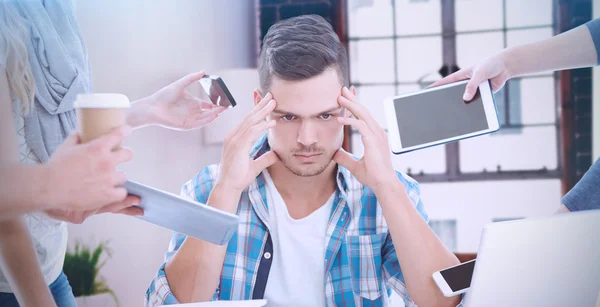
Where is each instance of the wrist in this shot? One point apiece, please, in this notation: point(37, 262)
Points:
point(389, 189)
point(224, 197)
point(508, 56)
point(48, 195)
point(226, 186)
point(142, 113)
point(385, 182)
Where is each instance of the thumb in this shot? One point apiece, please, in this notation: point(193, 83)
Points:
point(473, 84)
point(345, 159)
point(128, 202)
point(189, 79)
point(131, 211)
point(265, 161)
point(454, 77)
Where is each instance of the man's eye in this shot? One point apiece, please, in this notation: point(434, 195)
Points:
point(326, 116)
point(287, 117)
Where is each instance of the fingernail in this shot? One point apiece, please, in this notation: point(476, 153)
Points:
point(466, 96)
point(271, 102)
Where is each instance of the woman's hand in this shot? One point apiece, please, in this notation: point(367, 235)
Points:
point(175, 108)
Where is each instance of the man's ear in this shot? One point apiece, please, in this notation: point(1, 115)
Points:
point(258, 96)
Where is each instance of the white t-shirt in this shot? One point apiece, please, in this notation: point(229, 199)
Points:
point(297, 275)
point(49, 235)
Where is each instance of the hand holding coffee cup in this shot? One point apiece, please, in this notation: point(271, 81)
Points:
point(86, 164)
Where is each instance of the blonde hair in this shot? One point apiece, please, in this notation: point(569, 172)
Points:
point(14, 33)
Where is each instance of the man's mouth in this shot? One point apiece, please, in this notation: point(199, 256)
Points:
point(307, 158)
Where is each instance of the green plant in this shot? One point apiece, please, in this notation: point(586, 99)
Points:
point(82, 266)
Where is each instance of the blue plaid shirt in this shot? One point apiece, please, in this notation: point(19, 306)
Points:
point(361, 265)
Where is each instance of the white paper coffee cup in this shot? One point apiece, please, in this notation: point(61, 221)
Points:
point(99, 114)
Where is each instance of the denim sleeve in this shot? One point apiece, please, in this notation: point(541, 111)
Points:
point(594, 27)
point(585, 195)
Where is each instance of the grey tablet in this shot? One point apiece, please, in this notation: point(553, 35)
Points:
point(181, 215)
point(439, 115)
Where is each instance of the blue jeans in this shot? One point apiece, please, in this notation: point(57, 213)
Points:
point(60, 289)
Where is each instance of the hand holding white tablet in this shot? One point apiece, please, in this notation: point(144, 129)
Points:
point(571, 49)
point(184, 216)
point(439, 115)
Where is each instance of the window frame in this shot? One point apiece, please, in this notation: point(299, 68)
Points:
point(452, 150)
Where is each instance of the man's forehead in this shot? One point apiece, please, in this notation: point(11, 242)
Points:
point(308, 101)
point(312, 96)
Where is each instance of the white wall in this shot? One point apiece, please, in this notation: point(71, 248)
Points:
point(474, 204)
point(136, 47)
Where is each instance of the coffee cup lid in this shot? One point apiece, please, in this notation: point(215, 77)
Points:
point(102, 101)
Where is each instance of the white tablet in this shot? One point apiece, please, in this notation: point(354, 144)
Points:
point(439, 115)
point(184, 216)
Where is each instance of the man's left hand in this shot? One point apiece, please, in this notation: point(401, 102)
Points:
point(375, 168)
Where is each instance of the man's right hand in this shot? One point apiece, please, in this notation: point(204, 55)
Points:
point(237, 169)
point(86, 174)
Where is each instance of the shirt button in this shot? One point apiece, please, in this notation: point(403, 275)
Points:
point(267, 255)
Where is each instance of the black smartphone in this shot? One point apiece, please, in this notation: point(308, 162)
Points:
point(217, 91)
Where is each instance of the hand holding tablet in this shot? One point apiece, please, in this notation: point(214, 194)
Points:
point(184, 216)
point(439, 115)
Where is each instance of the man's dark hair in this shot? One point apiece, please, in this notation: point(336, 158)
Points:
point(300, 48)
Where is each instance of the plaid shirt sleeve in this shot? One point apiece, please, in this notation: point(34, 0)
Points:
point(198, 189)
point(391, 266)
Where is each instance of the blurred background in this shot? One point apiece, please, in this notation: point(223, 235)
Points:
point(395, 46)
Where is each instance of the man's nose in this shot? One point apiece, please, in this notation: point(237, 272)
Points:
point(307, 135)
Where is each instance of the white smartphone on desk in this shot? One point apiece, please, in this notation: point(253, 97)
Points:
point(455, 280)
point(439, 115)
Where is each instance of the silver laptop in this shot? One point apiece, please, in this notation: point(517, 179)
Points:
point(550, 261)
